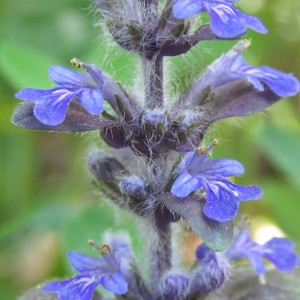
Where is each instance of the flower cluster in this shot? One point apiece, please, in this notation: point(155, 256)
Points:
point(156, 169)
point(222, 196)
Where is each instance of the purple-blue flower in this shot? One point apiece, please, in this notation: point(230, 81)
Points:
point(226, 20)
point(51, 105)
point(231, 67)
point(109, 271)
point(197, 171)
point(282, 84)
point(277, 250)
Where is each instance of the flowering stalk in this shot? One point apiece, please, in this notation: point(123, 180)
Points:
point(161, 174)
point(153, 78)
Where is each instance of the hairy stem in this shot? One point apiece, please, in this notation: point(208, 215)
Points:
point(153, 81)
point(160, 255)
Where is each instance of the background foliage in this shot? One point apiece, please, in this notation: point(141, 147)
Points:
point(48, 204)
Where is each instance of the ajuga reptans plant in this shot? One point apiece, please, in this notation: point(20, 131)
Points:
point(168, 175)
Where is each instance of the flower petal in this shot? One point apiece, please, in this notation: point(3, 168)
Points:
point(84, 263)
point(115, 283)
point(248, 192)
point(81, 285)
point(185, 8)
point(226, 21)
point(217, 167)
point(185, 184)
point(92, 100)
point(256, 261)
point(279, 252)
point(52, 110)
point(284, 85)
point(229, 22)
point(69, 78)
point(36, 95)
point(222, 203)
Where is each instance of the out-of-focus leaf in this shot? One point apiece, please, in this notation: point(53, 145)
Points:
point(282, 147)
point(23, 66)
point(284, 205)
point(91, 223)
point(51, 216)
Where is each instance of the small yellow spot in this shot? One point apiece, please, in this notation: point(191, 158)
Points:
point(78, 63)
point(103, 249)
point(201, 151)
point(106, 249)
point(247, 43)
point(215, 142)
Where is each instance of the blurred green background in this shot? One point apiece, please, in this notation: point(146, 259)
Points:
point(47, 202)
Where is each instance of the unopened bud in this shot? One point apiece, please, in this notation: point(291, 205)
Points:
point(104, 167)
point(134, 186)
point(155, 122)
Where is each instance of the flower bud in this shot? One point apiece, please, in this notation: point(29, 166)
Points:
point(211, 273)
point(105, 167)
point(134, 186)
point(174, 286)
point(155, 122)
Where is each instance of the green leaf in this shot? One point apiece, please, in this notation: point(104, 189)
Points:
point(23, 66)
point(282, 147)
point(91, 223)
point(284, 205)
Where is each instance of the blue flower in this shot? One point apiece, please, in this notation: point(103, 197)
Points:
point(277, 250)
point(222, 196)
point(51, 105)
point(231, 67)
point(226, 20)
point(109, 271)
point(282, 84)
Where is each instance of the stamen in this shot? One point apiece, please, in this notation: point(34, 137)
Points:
point(78, 63)
point(215, 142)
point(104, 248)
point(203, 150)
point(242, 46)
